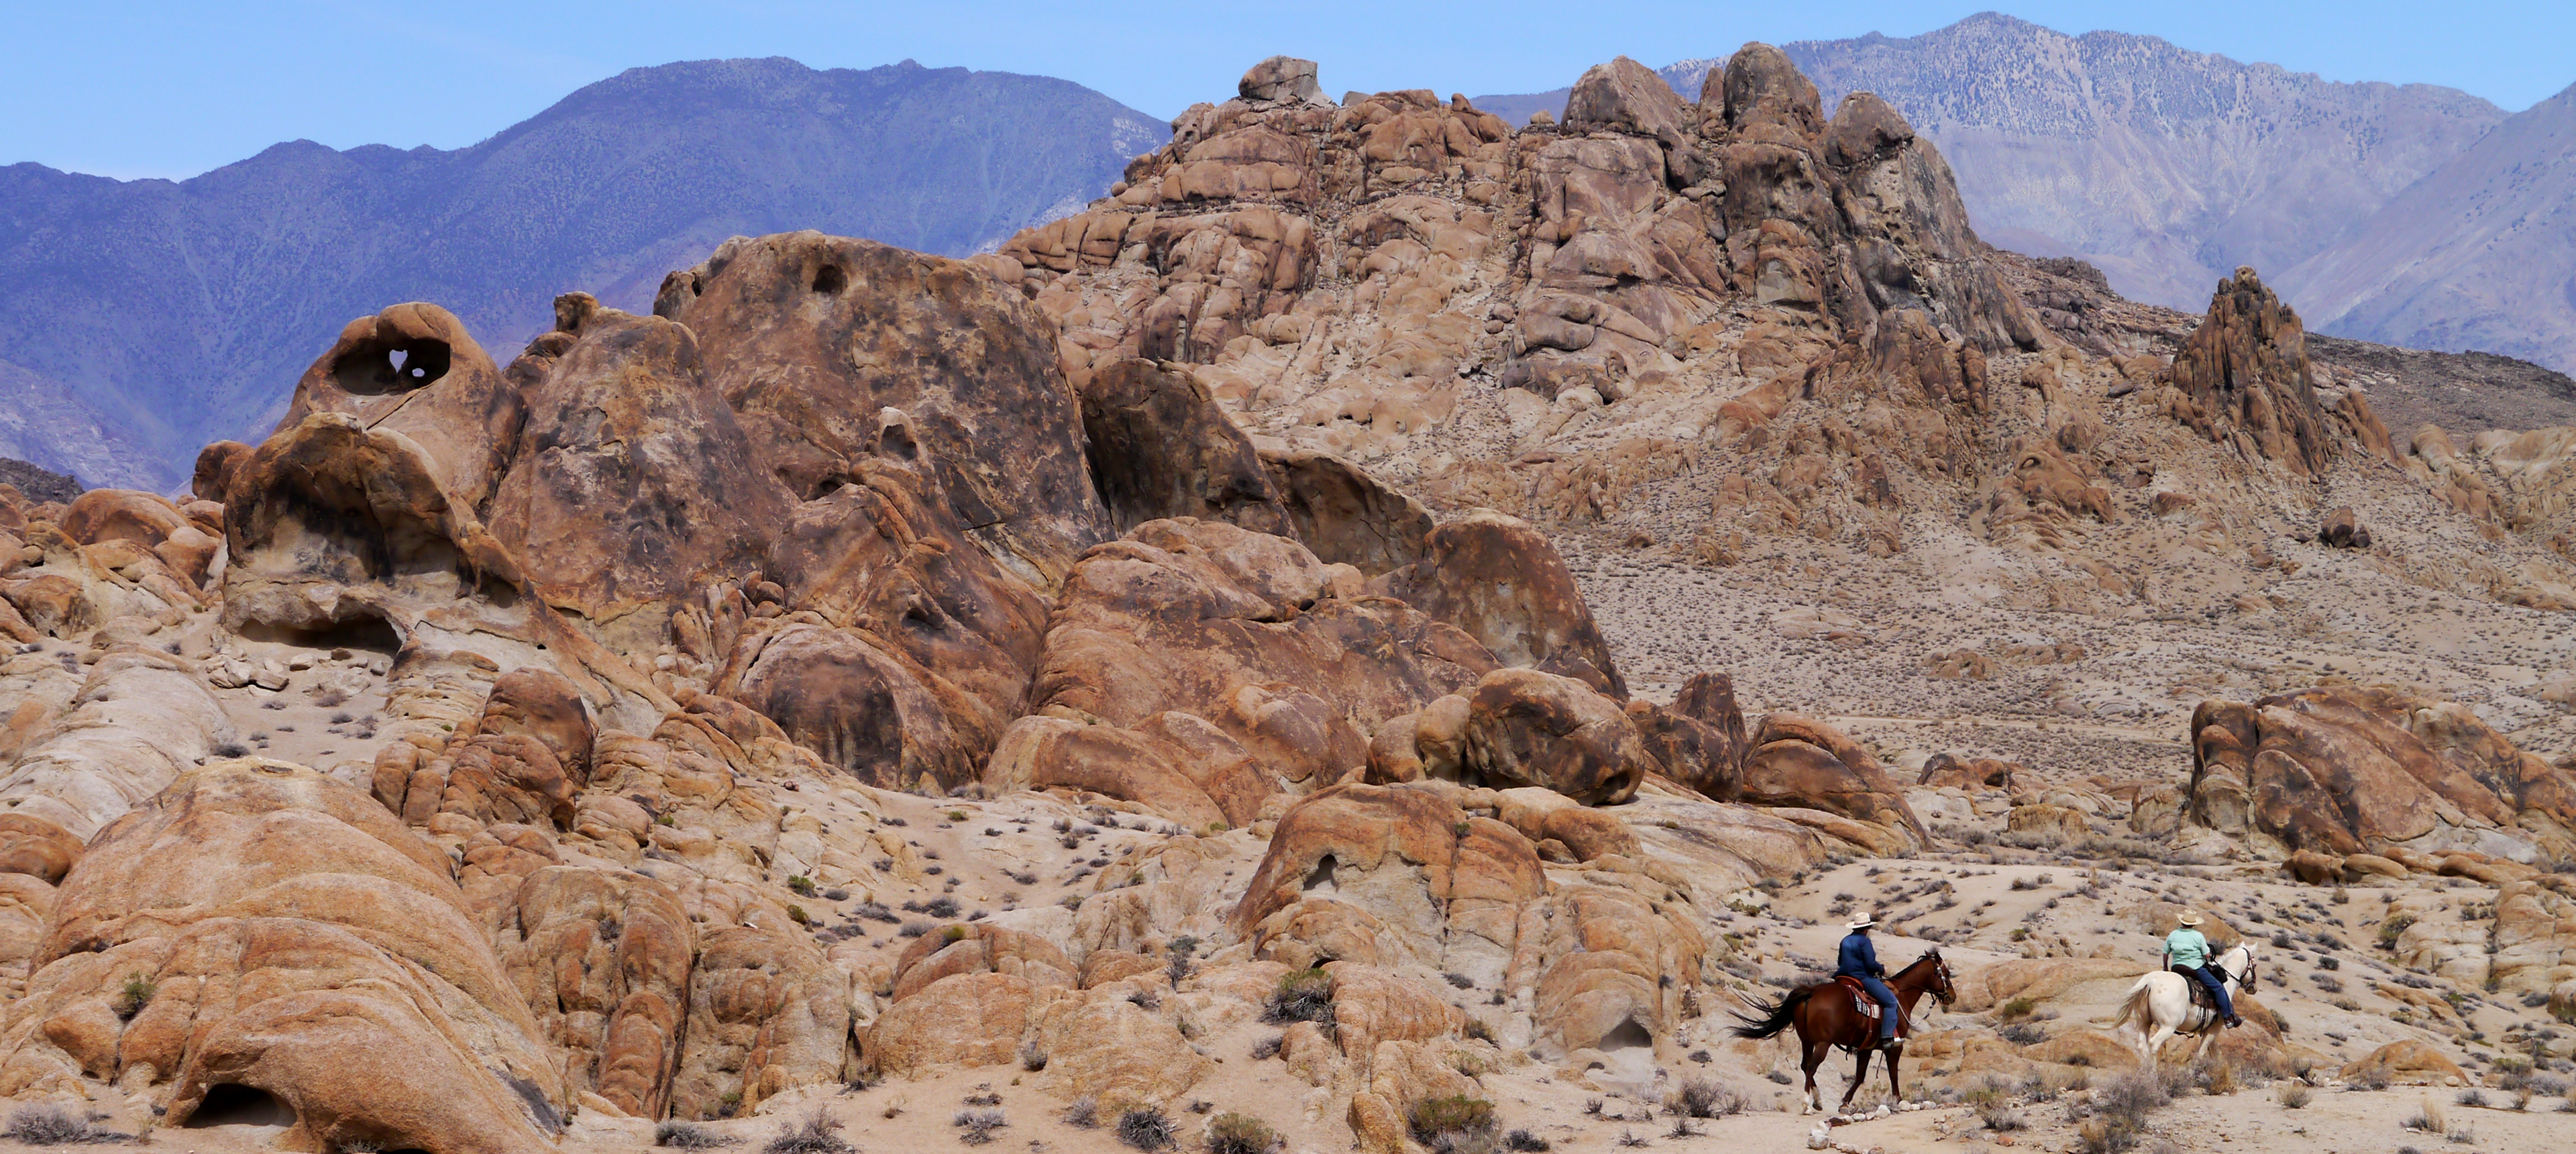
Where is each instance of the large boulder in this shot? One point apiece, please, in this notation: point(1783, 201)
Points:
point(302, 950)
point(413, 373)
point(1700, 737)
point(632, 485)
point(2349, 769)
point(809, 337)
point(1345, 515)
point(1797, 761)
point(1497, 578)
point(1277, 667)
point(1626, 96)
point(1524, 727)
point(1282, 78)
point(1161, 447)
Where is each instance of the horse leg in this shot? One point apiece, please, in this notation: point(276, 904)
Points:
point(1894, 1087)
point(1860, 1073)
point(1815, 1057)
point(2156, 1043)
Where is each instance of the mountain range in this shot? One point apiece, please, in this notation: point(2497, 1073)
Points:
point(2404, 214)
point(139, 319)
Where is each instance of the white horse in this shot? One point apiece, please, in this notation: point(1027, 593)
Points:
point(2159, 1006)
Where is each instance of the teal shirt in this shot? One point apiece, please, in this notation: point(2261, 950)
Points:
point(2188, 948)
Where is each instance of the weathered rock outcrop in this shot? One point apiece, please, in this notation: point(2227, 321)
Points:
point(2246, 369)
point(301, 948)
point(809, 337)
point(2349, 769)
point(1800, 762)
point(1497, 578)
point(1160, 447)
point(1345, 515)
point(1361, 878)
point(1223, 662)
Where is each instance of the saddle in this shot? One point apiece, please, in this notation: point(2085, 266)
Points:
point(1869, 1007)
point(2200, 999)
point(2204, 1009)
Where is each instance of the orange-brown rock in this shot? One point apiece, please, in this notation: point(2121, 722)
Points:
point(1345, 515)
point(1943, 769)
point(1525, 728)
point(1160, 447)
point(1498, 578)
point(1401, 866)
point(1700, 738)
point(412, 372)
point(2346, 769)
point(2246, 369)
point(305, 949)
point(1272, 670)
point(632, 484)
point(604, 957)
point(1800, 762)
point(212, 478)
point(810, 337)
point(2407, 1060)
point(767, 1012)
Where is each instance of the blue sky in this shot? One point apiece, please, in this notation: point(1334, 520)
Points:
point(172, 89)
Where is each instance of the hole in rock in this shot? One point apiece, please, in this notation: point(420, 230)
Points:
point(1628, 1036)
point(227, 1104)
point(368, 632)
point(830, 279)
point(378, 368)
point(1321, 877)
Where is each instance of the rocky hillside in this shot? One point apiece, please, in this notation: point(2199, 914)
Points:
point(1386, 632)
point(2162, 166)
point(2476, 255)
point(140, 319)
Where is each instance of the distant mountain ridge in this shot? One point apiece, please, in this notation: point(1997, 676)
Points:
point(140, 319)
point(2480, 254)
point(2165, 167)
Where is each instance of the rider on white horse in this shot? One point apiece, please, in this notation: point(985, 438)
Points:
point(1859, 959)
point(2187, 953)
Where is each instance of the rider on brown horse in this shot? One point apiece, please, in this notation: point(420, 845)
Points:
point(1859, 959)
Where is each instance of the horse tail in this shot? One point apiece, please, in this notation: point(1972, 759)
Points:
point(2137, 1007)
point(1772, 1017)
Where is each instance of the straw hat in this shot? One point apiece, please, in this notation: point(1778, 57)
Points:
point(2190, 919)
point(1863, 922)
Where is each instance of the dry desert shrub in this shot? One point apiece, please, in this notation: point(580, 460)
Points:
point(817, 1134)
point(1232, 1133)
point(1145, 1128)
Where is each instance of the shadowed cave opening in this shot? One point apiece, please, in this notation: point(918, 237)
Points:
point(1320, 878)
point(377, 368)
point(1628, 1036)
point(228, 1104)
point(365, 631)
point(830, 279)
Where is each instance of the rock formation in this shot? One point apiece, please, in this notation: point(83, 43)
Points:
point(1182, 626)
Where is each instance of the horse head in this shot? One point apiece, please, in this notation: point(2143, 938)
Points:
point(1941, 978)
point(2240, 967)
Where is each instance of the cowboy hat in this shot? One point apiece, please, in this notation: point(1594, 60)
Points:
point(1861, 923)
point(2190, 919)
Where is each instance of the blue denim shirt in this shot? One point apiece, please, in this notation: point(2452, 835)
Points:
point(1858, 957)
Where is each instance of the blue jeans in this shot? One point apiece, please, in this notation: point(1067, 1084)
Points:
point(1886, 1000)
point(2217, 989)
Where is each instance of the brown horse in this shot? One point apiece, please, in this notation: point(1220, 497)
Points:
point(1826, 1017)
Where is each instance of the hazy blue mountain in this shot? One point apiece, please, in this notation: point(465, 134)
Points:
point(2481, 254)
point(140, 319)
